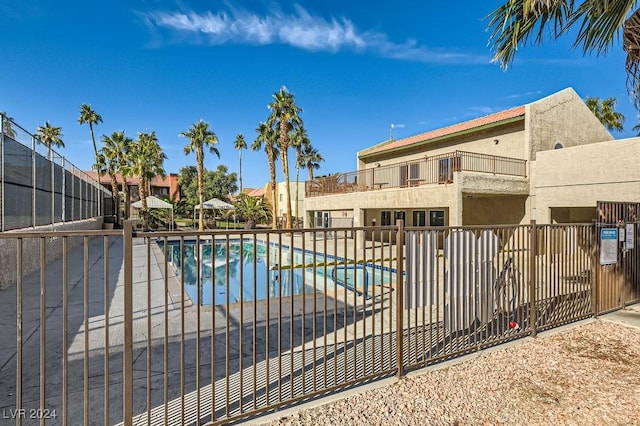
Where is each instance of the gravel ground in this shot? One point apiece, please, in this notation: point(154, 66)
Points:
point(587, 375)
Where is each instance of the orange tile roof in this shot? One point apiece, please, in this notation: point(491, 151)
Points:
point(259, 192)
point(449, 130)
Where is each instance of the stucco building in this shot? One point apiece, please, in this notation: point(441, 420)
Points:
point(549, 160)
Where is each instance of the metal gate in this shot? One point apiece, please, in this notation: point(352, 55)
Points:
point(619, 282)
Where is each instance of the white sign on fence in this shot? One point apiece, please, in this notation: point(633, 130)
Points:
point(628, 242)
point(608, 246)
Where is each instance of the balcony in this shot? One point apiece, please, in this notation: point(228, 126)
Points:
point(429, 170)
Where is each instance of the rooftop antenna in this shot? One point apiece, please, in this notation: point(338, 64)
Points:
point(393, 126)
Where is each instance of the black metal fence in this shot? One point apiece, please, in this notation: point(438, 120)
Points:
point(38, 186)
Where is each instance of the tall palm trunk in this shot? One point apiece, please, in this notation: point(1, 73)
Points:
point(240, 170)
point(297, 186)
point(310, 170)
point(142, 191)
point(95, 147)
point(125, 189)
point(114, 191)
point(284, 142)
point(200, 161)
point(272, 175)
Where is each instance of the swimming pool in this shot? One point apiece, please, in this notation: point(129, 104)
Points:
point(264, 270)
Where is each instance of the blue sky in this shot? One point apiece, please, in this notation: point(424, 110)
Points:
point(355, 68)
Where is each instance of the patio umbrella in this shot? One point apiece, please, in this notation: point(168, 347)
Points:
point(213, 204)
point(156, 203)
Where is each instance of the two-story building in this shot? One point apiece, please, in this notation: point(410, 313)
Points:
point(477, 172)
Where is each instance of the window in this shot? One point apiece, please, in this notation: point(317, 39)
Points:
point(400, 214)
point(419, 218)
point(385, 218)
point(436, 218)
point(280, 197)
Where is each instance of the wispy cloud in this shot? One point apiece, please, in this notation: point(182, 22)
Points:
point(521, 95)
point(479, 111)
point(299, 29)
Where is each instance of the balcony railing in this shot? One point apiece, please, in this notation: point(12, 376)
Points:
point(429, 170)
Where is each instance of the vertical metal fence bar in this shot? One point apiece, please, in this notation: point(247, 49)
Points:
point(374, 350)
point(198, 252)
point(399, 297)
point(367, 285)
point(304, 309)
point(19, 320)
point(392, 314)
point(533, 269)
point(127, 349)
point(335, 310)
point(345, 309)
point(314, 317)
point(254, 332)
point(33, 184)
point(65, 328)
point(165, 354)
point(291, 289)
point(270, 293)
point(355, 306)
point(280, 283)
point(149, 307)
point(182, 331)
point(227, 331)
point(105, 254)
point(86, 328)
point(241, 322)
point(325, 361)
point(212, 259)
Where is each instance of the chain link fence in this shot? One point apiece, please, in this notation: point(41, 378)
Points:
point(38, 186)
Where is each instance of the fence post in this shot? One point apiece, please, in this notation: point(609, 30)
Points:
point(127, 349)
point(595, 283)
point(533, 269)
point(400, 298)
point(33, 184)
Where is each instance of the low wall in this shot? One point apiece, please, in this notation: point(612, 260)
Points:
point(31, 248)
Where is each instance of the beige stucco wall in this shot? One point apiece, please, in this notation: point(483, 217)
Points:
point(281, 198)
point(582, 175)
point(490, 210)
point(510, 139)
point(561, 118)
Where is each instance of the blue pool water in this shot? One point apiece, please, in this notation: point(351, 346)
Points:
point(256, 267)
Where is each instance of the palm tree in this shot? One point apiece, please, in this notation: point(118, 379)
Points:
point(115, 151)
point(146, 162)
point(285, 118)
point(268, 138)
point(299, 141)
point(92, 118)
point(200, 136)
point(50, 136)
point(599, 25)
point(604, 111)
point(240, 144)
point(108, 160)
point(252, 209)
point(311, 159)
point(7, 125)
